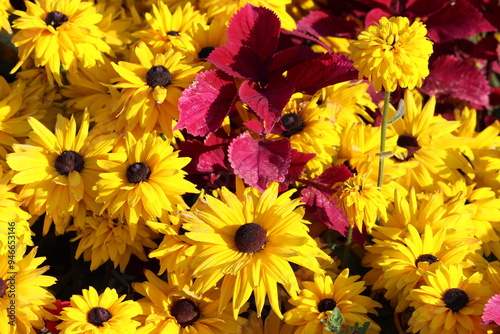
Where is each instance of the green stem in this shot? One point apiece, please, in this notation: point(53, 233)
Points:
point(383, 130)
point(345, 260)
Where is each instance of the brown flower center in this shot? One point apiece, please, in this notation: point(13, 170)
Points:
point(292, 124)
point(138, 172)
point(173, 33)
point(3, 287)
point(185, 311)
point(68, 161)
point(410, 143)
point(55, 19)
point(326, 304)
point(158, 76)
point(98, 315)
point(250, 238)
point(205, 52)
point(426, 258)
point(455, 299)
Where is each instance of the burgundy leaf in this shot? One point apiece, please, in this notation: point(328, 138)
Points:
point(322, 23)
point(267, 102)
point(459, 21)
point(255, 126)
point(491, 313)
point(287, 58)
point(297, 164)
point(238, 61)
point(453, 77)
point(257, 28)
point(374, 16)
point(317, 197)
point(204, 158)
point(206, 102)
point(329, 69)
point(259, 162)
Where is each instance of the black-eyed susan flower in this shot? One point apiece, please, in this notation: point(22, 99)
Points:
point(206, 38)
point(362, 201)
point(142, 180)
point(59, 33)
point(58, 170)
point(170, 29)
point(318, 299)
point(403, 263)
point(168, 309)
point(24, 285)
point(91, 313)
point(102, 239)
point(272, 324)
point(449, 302)
point(393, 53)
point(248, 242)
point(151, 86)
point(5, 9)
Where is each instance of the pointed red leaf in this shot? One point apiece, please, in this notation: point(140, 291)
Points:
point(204, 158)
point(318, 193)
point(297, 164)
point(491, 313)
point(255, 126)
point(206, 102)
point(287, 58)
point(454, 77)
point(259, 162)
point(267, 102)
point(329, 69)
point(257, 28)
point(323, 23)
point(238, 61)
point(459, 21)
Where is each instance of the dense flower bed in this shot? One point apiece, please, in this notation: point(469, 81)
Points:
point(279, 167)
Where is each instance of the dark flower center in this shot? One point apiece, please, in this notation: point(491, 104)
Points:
point(55, 19)
point(205, 52)
point(292, 124)
point(158, 76)
point(326, 304)
point(455, 299)
point(410, 143)
point(98, 315)
point(426, 258)
point(3, 287)
point(185, 311)
point(250, 238)
point(138, 172)
point(68, 161)
point(173, 33)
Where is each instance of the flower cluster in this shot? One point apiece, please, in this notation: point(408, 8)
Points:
point(250, 166)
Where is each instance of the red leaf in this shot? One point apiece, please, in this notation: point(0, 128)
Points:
point(491, 313)
point(204, 158)
point(297, 164)
point(238, 61)
point(255, 126)
point(459, 21)
point(321, 24)
point(260, 162)
point(206, 102)
point(453, 77)
point(267, 102)
point(257, 28)
point(287, 58)
point(329, 69)
point(318, 193)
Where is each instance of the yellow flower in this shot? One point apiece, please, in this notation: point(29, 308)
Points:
point(59, 33)
point(393, 53)
point(362, 201)
point(5, 8)
point(319, 298)
point(449, 302)
point(107, 313)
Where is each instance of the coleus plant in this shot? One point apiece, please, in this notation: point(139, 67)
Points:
point(254, 70)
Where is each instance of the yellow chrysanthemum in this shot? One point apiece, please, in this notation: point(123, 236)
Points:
point(59, 32)
point(393, 53)
point(23, 287)
point(318, 299)
point(401, 264)
point(362, 201)
point(103, 239)
point(5, 8)
point(311, 130)
point(58, 170)
point(205, 39)
point(170, 29)
point(249, 242)
point(151, 87)
point(142, 180)
point(449, 302)
point(92, 313)
point(168, 309)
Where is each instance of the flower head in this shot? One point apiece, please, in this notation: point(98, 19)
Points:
point(393, 53)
